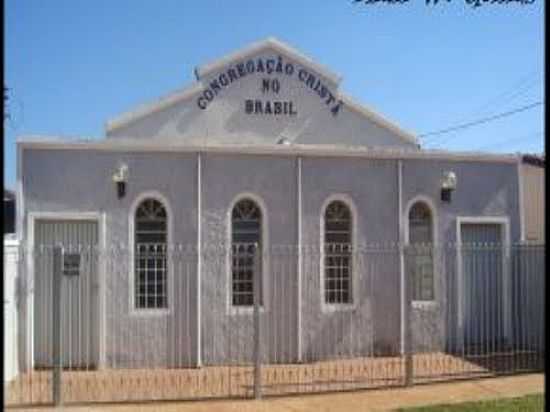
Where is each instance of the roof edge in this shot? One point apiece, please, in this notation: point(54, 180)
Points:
point(253, 48)
point(377, 118)
point(166, 101)
point(152, 107)
point(139, 145)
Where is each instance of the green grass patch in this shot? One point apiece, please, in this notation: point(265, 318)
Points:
point(529, 403)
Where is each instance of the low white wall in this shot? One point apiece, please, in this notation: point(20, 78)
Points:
point(11, 253)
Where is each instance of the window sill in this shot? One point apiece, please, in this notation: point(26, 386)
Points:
point(244, 310)
point(425, 304)
point(337, 307)
point(149, 313)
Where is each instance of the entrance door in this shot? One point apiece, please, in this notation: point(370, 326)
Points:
point(79, 292)
point(483, 281)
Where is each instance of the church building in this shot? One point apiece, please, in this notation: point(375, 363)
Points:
point(262, 171)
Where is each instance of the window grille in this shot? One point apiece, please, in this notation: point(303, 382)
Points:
point(421, 256)
point(338, 253)
point(150, 255)
point(246, 237)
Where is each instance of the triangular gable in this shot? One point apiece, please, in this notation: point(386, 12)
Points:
point(260, 94)
point(274, 45)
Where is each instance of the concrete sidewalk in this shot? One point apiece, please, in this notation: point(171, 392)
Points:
point(364, 401)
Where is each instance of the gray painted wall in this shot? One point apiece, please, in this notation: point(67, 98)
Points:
point(273, 181)
point(79, 180)
point(374, 323)
point(483, 189)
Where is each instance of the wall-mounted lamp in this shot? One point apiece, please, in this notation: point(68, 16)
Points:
point(448, 184)
point(120, 177)
point(284, 141)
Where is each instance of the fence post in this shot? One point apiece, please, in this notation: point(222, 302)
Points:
point(407, 319)
point(257, 286)
point(56, 324)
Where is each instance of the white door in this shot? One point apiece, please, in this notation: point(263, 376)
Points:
point(79, 292)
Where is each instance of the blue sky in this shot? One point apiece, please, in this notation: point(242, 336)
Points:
point(72, 65)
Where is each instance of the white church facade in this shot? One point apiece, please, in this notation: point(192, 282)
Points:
point(265, 150)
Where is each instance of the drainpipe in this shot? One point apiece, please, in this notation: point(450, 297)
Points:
point(300, 258)
point(521, 199)
point(401, 256)
point(199, 257)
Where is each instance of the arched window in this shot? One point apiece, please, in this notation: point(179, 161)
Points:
point(151, 223)
point(338, 253)
point(421, 266)
point(246, 239)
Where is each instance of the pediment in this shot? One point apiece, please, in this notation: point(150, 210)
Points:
point(270, 46)
point(261, 94)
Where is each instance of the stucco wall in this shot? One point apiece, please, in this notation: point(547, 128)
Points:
point(483, 189)
point(373, 323)
point(272, 182)
point(77, 180)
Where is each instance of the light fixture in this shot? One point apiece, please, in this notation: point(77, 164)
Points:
point(448, 184)
point(120, 177)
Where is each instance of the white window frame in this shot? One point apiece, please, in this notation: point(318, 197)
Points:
point(504, 222)
point(336, 307)
point(247, 310)
point(153, 194)
point(435, 243)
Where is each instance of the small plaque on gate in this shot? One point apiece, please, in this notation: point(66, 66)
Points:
point(71, 264)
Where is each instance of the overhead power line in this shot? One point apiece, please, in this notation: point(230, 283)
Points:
point(528, 137)
point(520, 87)
point(481, 121)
